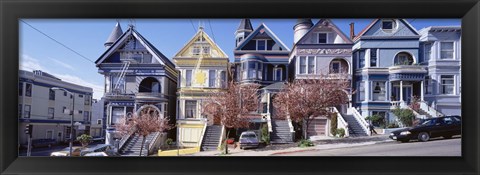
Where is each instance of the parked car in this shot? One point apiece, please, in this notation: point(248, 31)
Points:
point(249, 139)
point(97, 148)
point(43, 143)
point(66, 151)
point(446, 127)
point(108, 153)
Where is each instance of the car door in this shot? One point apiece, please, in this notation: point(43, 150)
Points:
point(437, 128)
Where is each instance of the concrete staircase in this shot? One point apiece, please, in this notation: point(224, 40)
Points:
point(134, 143)
point(354, 128)
point(281, 132)
point(212, 137)
point(422, 112)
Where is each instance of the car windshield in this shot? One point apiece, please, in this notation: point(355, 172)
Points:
point(248, 136)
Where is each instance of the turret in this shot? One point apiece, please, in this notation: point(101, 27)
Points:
point(244, 29)
point(116, 33)
point(301, 28)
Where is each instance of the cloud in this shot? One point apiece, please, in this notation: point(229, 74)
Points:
point(68, 66)
point(97, 89)
point(29, 63)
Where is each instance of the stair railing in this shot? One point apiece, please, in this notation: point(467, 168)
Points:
point(203, 132)
point(154, 141)
point(341, 122)
point(428, 109)
point(363, 123)
point(269, 123)
point(222, 135)
point(125, 138)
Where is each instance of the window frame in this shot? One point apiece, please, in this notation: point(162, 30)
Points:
point(188, 78)
point(51, 113)
point(196, 50)
point(187, 110)
point(28, 91)
point(51, 94)
point(86, 114)
point(375, 50)
point(372, 89)
point(212, 80)
point(339, 66)
point(99, 121)
point(441, 50)
point(388, 20)
point(326, 37)
point(442, 85)
point(361, 91)
point(257, 46)
point(425, 57)
point(275, 77)
point(302, 65)
point(25, 111)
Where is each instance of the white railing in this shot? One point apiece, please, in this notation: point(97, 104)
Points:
point(203, 132)
point(417, 115)
point(290, 124)
point(222, 135)
point(269, 123)
point(360, 120)
point(154, 142)
point(430, 110)
point(341, 122)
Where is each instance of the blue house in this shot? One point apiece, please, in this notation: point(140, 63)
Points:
point(137, 77)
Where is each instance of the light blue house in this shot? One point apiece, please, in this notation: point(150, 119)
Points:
point(440, 51)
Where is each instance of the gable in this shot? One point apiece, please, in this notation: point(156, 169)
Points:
point(132, 46)
point(334, 34)
point(401, 28)
point(262, 33)
point(201, 45)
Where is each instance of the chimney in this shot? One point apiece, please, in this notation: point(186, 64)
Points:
point(352, 30)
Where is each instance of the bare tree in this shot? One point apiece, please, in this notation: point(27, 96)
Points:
point(144, 124)
point(304, 99)
point(230, 105)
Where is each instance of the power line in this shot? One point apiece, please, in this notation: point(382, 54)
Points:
point(194, 29)
point(58, 42)
point(211, 30)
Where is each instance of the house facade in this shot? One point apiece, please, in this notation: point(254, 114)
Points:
point(386, 69)
point(97, 127)
point(440, 52)
point(320, 49)
point(43, 108)
point(137, 75)
point(203, 68)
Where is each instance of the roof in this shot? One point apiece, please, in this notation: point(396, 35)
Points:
point(269, 33)
point(275, 86)
point(303, 21)
point(245, 24)
point(116, 33)
point(357, 37)
point(202, 33)
point(441, 29)
point(334, 27)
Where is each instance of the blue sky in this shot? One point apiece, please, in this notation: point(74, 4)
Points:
point(87, 36)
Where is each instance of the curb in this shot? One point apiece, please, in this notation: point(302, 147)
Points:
point(315, 149)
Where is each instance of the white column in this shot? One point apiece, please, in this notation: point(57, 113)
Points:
point(401, 91)
point(421, 91)
point(367, 91)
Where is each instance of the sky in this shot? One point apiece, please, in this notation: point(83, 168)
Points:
point(68, 48)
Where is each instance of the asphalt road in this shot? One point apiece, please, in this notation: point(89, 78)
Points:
point(438, 147)
point(45, 151)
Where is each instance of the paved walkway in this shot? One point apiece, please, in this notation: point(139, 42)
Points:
point(321, 144)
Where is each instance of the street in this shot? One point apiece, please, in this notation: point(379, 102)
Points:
point(438, 147)
point(45, 151)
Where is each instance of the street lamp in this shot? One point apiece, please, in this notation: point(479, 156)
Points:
point(71, 112)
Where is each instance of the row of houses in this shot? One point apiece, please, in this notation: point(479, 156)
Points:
point(389, 63)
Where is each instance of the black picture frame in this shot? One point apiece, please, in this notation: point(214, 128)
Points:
point(11, 11)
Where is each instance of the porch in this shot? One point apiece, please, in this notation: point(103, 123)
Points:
point(404, 92)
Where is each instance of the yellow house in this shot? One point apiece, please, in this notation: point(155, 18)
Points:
point(203, 68)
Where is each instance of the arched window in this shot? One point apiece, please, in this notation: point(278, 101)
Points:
point(338, 65)
point(403, 58)
point(150, 84)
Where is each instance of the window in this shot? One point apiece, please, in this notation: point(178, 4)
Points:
point(252, 70)
point(211, 78)
point(86, 116)
point(26, 111)
point(196, 50)
point(51, 94)
point(261, 44)
point(51, 113)
point(322, 38)
point(20, 89)
point(244, 70)
point(379, 91)
point(223, 79)
point(64, 110)
point(446, 50)
point(403, 58)
point(447, 84)
point(335, 67)
point(361, 59)
point(80, 96)
point(373, 57)
point(428, 85)
point(121, 84)
point(64, 93)
point(361, 89)
point(80, 111)
point(206, 50)
point(87, 100)
point(188, 77)
point(49, 134)
point(303, 65)
point(117, 114)
point(277, 76)
point(387, 24)
point(190, 108)
point(19, 110)
point(99, 121)
point(311, 64)
point(427, 51)
point(28, 90)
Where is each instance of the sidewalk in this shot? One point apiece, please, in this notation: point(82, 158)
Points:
point(321, 144)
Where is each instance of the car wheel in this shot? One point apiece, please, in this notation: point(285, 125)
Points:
point(423, 137)
point(447, 137)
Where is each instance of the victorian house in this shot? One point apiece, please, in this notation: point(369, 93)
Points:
point(262, 58)
point(203, 68)
point(440, 53)
point(137, 76)
point(320, 49)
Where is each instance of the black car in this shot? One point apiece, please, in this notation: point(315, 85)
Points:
point(445, 127)
point(43, 143)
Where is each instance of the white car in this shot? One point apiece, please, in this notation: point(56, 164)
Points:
point(66, 151)
point(249, 139)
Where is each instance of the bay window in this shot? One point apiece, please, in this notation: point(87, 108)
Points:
point(307, 65)
point(379, 91)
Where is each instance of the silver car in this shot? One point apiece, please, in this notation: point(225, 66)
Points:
point(249, 139)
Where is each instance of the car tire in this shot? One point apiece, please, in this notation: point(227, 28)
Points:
point(423, 137)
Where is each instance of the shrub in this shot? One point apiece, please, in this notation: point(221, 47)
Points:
point(392, 125)
point(305, 143)
point(377, 120)
point(84, 139)
point(169, 141)
point(333, 125)
point(405, 116)
point(341, 132)
point(265, 135)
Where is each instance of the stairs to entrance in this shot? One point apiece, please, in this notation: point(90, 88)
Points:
point(422, 112)
point(354, 128)
point(134, 144)
point(281, 132)
point(211, 138)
